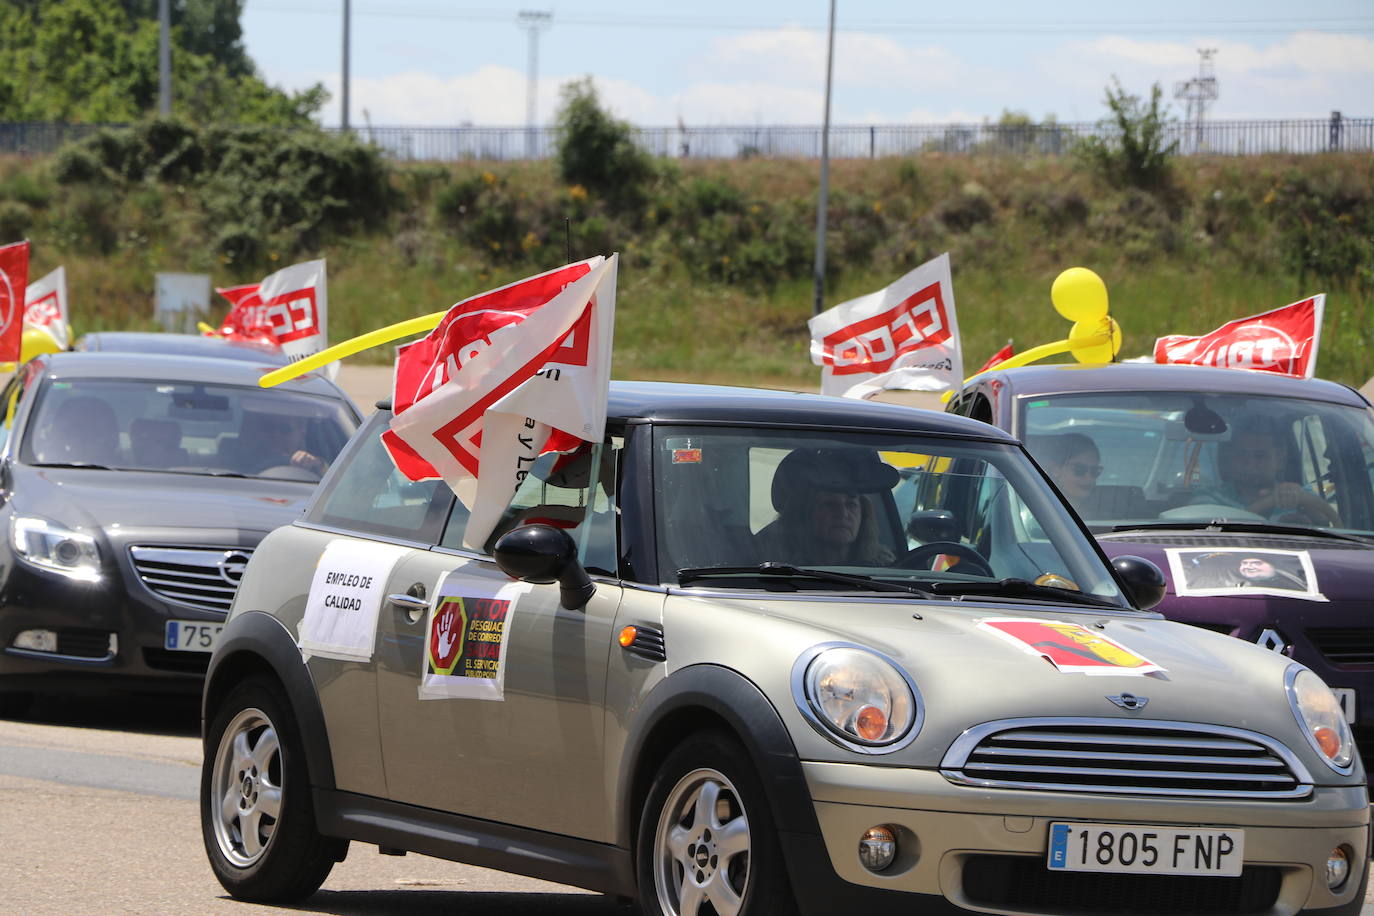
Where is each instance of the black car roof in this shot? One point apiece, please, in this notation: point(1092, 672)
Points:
point(1066, 378)
point(161, 366)
point(676, 402)
point(181, 344)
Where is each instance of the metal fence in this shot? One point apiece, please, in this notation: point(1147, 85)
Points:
point(447, 144)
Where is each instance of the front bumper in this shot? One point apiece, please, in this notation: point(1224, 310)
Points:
point(978, 850)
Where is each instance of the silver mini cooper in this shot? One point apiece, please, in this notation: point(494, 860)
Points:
point(762, 653)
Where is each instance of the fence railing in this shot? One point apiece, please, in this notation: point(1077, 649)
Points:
point(446, 144)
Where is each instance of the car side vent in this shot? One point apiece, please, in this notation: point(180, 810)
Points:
point(644, 640)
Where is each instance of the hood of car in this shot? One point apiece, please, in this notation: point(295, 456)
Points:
point(983, 661)
point(87, 498)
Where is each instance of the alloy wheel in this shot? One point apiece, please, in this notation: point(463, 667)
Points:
point(701, 849)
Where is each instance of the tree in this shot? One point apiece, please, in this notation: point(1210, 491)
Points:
point(1134, 152)
point(597, 151)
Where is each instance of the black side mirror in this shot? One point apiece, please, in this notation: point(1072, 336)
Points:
point(1142, 581)
point(933, 525)
point(543, 554)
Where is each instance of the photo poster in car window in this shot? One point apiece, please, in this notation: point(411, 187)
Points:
point(1069, 647)
point(1244, 571)
point(466, 634)
point(345, 598)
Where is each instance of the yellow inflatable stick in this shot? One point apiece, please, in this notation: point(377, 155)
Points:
point(422, 325)
point(1097, 340)
point(205, 329)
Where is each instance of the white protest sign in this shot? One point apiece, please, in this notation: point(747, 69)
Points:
point(345, 598)
point(904, 336)
point(465, 638)
point(295, 303)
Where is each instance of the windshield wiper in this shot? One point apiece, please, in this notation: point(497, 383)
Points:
point(1222, 524)
point(1020, 588)
point(868, 583)
point(89, 465)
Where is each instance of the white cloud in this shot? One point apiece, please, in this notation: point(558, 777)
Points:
point(796, 56)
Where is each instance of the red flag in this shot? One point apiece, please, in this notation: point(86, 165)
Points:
point(247, 319)
point(14, 282)
point(1283, 341)
point(1000, 356)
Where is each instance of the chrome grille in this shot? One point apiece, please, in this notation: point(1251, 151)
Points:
point(1125, 758)
point(201, 577)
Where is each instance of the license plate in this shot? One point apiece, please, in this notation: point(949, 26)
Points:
point(1145, 850)
point(1346, 696)
point(191, 635)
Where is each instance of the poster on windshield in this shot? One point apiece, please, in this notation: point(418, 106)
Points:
point(1244, 571)
point(465, 638)
point(904, 336)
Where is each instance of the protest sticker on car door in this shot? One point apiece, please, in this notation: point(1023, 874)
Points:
point(1070, 648)
point(465, 638)
point(345, 597)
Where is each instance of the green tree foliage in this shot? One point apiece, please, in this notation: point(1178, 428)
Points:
point(97, 61)
point(596, 151)
point(1135, 153)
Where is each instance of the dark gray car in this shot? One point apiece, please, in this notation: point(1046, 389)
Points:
point(133, 489)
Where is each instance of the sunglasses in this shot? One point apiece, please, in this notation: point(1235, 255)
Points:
point(1081, 469)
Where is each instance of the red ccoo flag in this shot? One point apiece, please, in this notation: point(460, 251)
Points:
point(14, 282)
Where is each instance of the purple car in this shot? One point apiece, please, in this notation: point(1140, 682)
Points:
point(1251, 491)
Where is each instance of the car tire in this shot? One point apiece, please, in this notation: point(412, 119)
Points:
point(707, 842)
point(256, 813)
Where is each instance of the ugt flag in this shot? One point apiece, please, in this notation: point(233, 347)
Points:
point(506, 376)
point(904, 336)
point(999, 357)
point(1283, 341)
point(14, 278)
point(247, 318)
point(45, 306)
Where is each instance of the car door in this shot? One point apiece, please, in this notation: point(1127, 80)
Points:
point(532, 756)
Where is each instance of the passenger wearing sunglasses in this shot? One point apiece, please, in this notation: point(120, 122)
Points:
point(1073, 462)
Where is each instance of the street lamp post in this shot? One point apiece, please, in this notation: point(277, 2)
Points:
point(819, 304)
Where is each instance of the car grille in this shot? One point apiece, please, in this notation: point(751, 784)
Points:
point(1344, 647)
point(1023, 882)
point(200, 577)
point(1125, 758)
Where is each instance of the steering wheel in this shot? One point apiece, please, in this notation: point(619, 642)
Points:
point(921, 557)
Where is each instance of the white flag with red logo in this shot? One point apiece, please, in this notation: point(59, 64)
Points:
point(247, 318)
point(905, 336)
point(45, 305)
point(14, 278)
point(1283, 341)
point(295, 304)
point(505, 377)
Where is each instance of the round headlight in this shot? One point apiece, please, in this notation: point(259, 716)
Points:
point(857, 695)
point(1321, 717)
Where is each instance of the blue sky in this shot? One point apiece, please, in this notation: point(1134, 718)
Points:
point(439, 62)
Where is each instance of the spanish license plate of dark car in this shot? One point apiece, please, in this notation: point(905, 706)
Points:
point(1145, 849)
point(192, 635)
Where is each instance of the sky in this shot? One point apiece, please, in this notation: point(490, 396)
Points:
point(715, 62)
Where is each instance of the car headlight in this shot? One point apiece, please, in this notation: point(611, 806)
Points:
point(51, 546)
point(1321, 717)
point(857, 697)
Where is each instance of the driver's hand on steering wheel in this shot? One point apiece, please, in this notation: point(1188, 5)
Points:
point(306, 461)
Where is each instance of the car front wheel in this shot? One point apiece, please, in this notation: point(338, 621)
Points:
point(707, 845)
point(256, 815)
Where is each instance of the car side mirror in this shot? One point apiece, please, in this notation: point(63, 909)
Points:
point(543, 554)
point(930, 525)
point(1142, 581)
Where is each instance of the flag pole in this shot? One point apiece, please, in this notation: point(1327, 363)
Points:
point(818, 304)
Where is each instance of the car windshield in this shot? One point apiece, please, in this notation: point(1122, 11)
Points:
point(745, 507)
point(185, 427)
point(1145, 459)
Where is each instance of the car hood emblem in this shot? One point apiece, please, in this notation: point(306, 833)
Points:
point(1129, 701)
point(232, 565)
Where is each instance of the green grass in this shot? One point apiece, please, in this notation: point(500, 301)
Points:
point(723, 295)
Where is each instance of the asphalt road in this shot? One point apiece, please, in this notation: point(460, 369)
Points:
point(98, 814)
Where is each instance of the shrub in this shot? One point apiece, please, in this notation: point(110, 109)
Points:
point(597, 151)
point(1134, 153)
point(15, 220)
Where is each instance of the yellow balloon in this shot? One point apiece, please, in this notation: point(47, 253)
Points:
point(1095, 341)
point(35, 341)
point(1079, 295)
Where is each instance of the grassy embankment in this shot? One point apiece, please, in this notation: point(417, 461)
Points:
point(715, 278)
